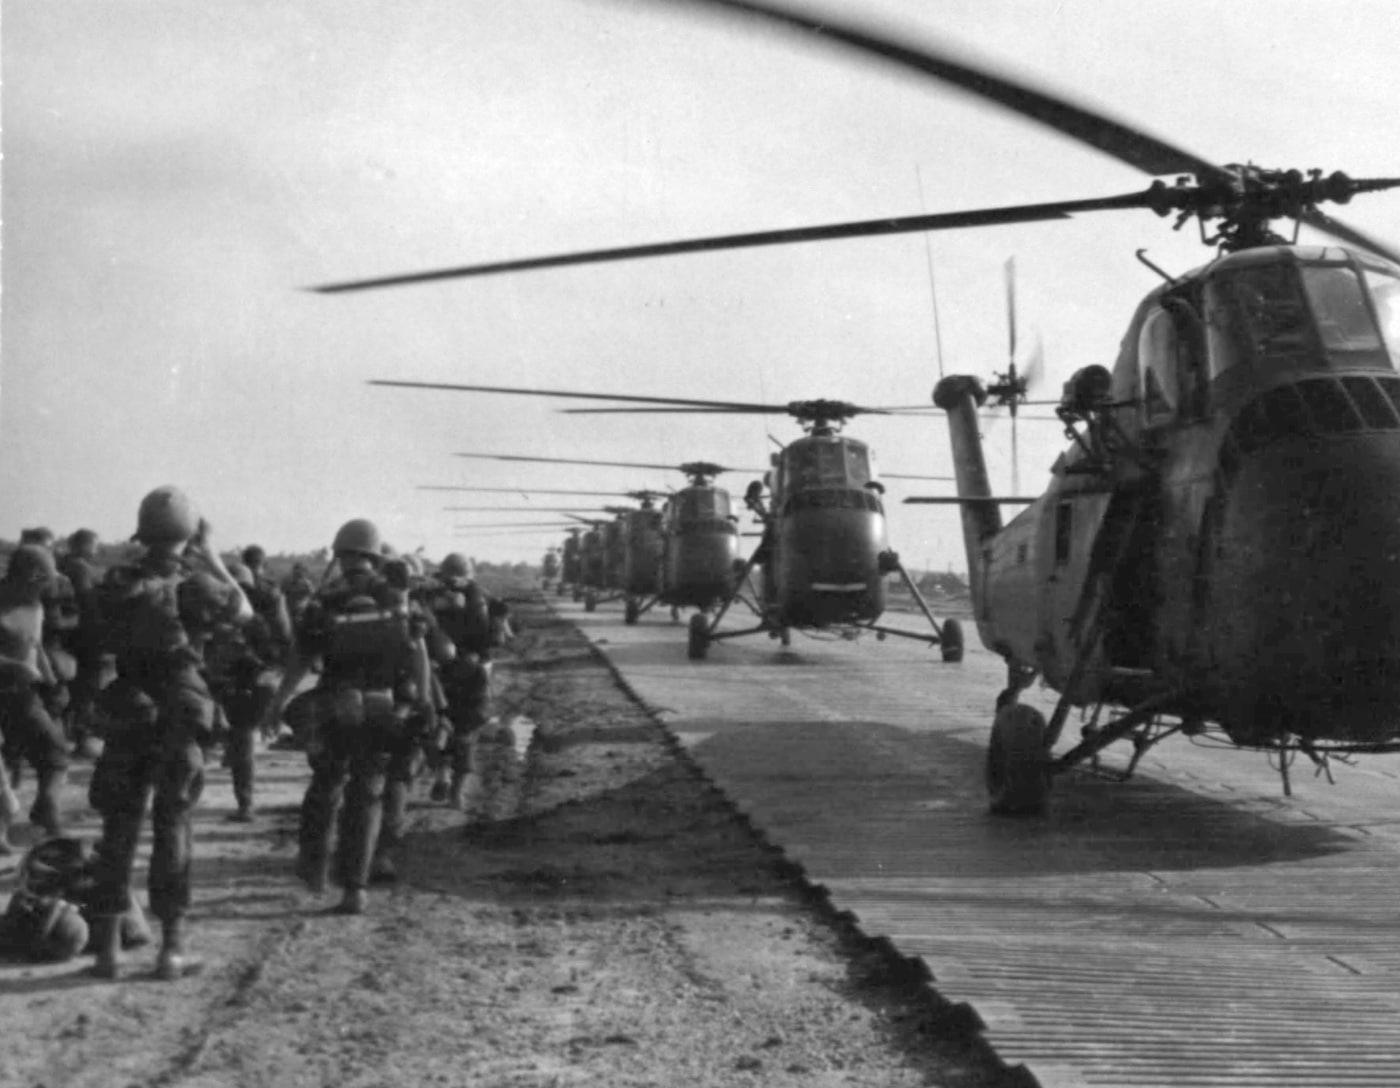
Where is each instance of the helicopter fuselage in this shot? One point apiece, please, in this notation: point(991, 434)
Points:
point(826, 535)
point(1225, 531)
point(701, 548)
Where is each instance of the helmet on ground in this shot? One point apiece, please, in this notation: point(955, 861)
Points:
point(254, 555)
point(455, 565)
point(358, 536)
point(31, 563)
point(241, 574)
point(166, 516)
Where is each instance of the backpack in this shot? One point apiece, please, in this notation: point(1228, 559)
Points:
point(464, 614)
point(366, 634)
point(141, 614)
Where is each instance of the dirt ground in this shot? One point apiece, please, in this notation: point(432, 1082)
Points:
point(598, 917)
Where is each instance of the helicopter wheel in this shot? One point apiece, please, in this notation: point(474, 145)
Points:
point(631, 611)
point(951, 640)
point(561, 589)
point(699, 637)
point(785, 637)
point(1018, 779)
point(578, 594)
point(590, 601)
point(675, 613)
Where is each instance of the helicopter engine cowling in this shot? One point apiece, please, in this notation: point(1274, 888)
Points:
point(1301, 557)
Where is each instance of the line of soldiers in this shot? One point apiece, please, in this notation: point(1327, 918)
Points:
point(402, 679)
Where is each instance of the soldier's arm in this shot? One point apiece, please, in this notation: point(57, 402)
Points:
point(241, 610)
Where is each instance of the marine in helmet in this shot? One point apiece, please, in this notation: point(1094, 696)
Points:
point(28, 733)
point(79, 565)
point(158, 614)
point(239, 662)
point(373, 684)
point(476, 623)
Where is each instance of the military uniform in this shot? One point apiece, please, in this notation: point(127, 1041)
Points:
point(365, 710)
point(158, 614)
point(27, 730)
point(475, 622)
point(84, 641)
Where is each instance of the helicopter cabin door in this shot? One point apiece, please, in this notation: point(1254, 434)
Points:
point(1070, 592)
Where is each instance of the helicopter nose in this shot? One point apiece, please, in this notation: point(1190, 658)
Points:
point(1305, 587)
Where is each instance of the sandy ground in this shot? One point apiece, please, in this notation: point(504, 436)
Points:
point(597, 917)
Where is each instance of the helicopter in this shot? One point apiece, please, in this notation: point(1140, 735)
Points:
point(685, 555)
point(1215, 554)
point(823, 557)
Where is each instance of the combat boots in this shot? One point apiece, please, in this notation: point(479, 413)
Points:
point(174, 961)
point(107, 939)
point(353, 901)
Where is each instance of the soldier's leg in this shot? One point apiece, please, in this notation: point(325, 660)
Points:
point(364, 799)
point(319, 808)
point(187, 722)
point(40, 738)
point(471, 709)
point(120, 783)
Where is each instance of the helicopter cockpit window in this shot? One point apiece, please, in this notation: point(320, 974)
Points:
point(1384, 288)
point(828, 464)
point(1158, 363)
point(1256, 313)
point(1339, 304)
point(697, 505)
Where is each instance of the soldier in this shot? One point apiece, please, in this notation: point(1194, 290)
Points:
point(157, 613)
point(239, 662)
point(374, 680)
point(27, 731)
point(270, 605)
point(297, 591)
point(77, 565)
point(475, 622)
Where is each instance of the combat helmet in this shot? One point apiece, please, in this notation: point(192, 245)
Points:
point(455, 565)
point(32, 564)
point(359, 536)
point(166, 516)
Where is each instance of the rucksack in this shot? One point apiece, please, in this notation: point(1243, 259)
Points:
point(464, 614)
point(366, 634)
point(141, 614)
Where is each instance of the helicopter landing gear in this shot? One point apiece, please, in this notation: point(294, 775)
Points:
point(561, 589)
point(578, 594)
point(785, 637)
point(699, 643)
point(950, 638)
point(631, 610)
point(590, 601)
point(675, 613)
point(1018, 770)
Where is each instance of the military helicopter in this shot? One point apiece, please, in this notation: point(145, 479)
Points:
point(1216, 551)
point(684, 555)
point(823, 557)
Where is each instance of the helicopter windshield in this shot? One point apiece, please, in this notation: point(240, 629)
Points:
point(1384, 289)
point(702, 504)
point(840, 463)
point(1281, 311)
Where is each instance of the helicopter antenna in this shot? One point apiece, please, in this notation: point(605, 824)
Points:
point(932, 285)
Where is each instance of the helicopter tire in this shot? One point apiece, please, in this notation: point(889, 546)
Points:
point(631, 611)
point(785, 637)
point(951, 640)
point(1018, 775)
point(578, 594)
point(590, 601)
point(699, 644)
point(561, 589)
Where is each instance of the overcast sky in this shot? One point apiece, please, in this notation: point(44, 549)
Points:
point(175, 172)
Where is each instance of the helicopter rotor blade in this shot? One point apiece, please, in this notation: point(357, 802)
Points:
point(580, 461)
point(522, 491)
point(719, 405)
point(867, 228)
point(1341, 231)
point(1124, 142)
